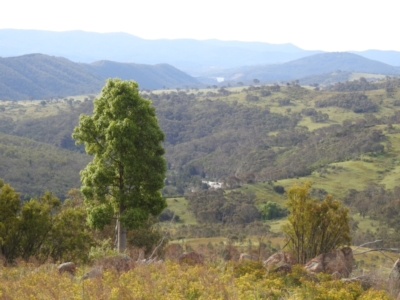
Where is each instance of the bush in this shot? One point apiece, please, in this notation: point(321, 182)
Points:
point(279, 189)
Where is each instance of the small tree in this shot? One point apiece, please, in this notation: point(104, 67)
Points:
point(128, 168)
point(315, 226)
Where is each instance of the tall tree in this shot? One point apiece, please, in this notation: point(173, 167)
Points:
point(128, 168)
point(314, 226)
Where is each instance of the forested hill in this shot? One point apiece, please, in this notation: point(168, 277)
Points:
point(38, 76)
point(312, 65)
point(149, 76)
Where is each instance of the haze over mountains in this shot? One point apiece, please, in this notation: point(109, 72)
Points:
point(188, 55)
point(191, 56)
point(84, 60)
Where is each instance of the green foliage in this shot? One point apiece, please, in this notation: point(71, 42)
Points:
point(42, 228)
point(314, 227)
point(357, 102)
point(272, 210)
point(36, 223)
point(128, 168)
point(148, 238)
point(9, 221)
point(168, 215)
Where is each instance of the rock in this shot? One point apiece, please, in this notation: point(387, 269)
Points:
point(119, 263)
point(245, 256)
point(279, 259)
point(191, 258)
point(93, 273)
point(68, 267)
point(339, 263)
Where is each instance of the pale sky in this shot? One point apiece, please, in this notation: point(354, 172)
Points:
point(309, 24)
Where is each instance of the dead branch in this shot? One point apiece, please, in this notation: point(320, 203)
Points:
point(380, 250)
point(368, 243)
point(162, 240)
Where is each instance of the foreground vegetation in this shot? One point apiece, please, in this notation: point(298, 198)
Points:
point(170, 280)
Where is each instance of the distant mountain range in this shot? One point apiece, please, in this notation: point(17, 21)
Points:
point(313, 65)
point(36, 76)
point(192, 56)
point(77, 62)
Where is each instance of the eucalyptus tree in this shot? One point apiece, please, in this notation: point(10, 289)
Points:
point(124, 179)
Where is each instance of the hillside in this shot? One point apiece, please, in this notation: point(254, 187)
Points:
point(38, 76)
point(32, 167)
point(148, 76)
point(255, 134)
point(313, 65)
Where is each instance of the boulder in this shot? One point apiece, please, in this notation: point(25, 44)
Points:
point(191, 258)
point(280, 258)
point(339, 263)
point(119, 263)
point(68, 267)
point(93, 273)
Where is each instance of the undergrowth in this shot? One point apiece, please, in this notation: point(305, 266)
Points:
point(170, 280)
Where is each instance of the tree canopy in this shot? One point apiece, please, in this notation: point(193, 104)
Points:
point(128, 168)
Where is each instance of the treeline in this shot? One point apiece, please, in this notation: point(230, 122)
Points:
point(362, 85)
point(357, 102)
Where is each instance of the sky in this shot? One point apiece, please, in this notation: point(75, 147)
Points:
point(339, 25)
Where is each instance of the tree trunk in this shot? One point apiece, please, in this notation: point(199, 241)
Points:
point(121, 237)
point(121, 233)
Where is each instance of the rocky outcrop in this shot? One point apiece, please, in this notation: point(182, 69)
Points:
point(280, 258)
point(338, 263)
point(191, 258)
point(68, 267)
